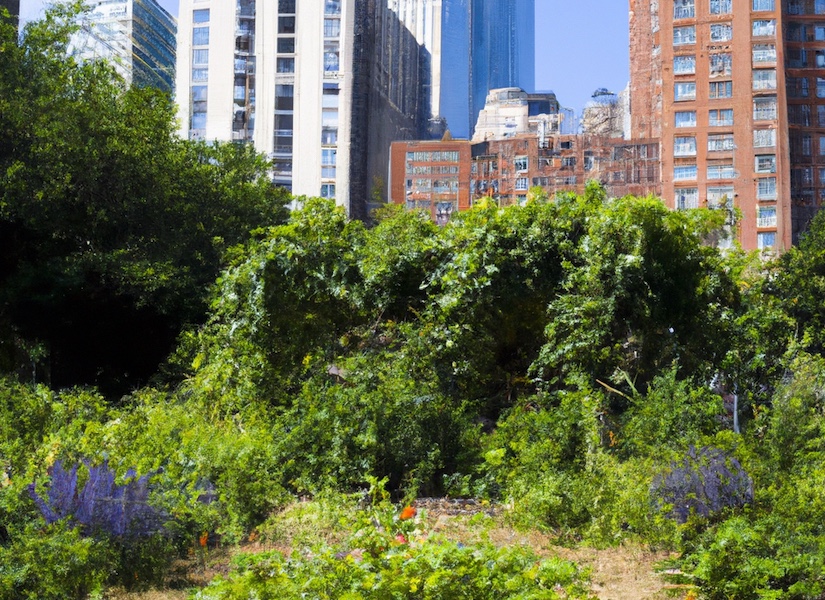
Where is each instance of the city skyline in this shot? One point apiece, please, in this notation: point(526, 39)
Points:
point(560, 48)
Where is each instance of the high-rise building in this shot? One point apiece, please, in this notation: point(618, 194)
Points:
point(137, 36)
point(736, 89)
point(502, 52)
point(321, 87)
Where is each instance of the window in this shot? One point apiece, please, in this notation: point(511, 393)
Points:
point(520, 164)
point(720, 143)
point(766, 188)
point(285, 65)
point(200, 74)
point(820, 114)
point(766, 216)
point(796, 32)
point(684, 65)
point(821, 145)
point(687, 198)
point(764, 79)
point(764, 53)
point(764, 27)
point(796, 57)
point(684, 91)
point(720, 117)
point(200, 57)
point(766, 239)
point(332, 28)
point(200, 36)
point(286, 6)
point(764, 138)
point(721, 32)
point(721, 171)
point(332, 7)
point(522, 184)
point(198, 120)
point(284, 97)
point(764, 109)
point(763, 5)
point(796, 7)
point(720, 7)
point(686, 118)
point(200, 16)
point(720, 64)
point(684, 9)
point(819, 32)
point(684, 173)
point(329, 157)
point(684, 146)
point(331, 57)
point(819, 7)
point(820, 87)
point(802, 176)
point(720, 196)
point(720, 89)
point(799, 114)
point(327, 190)
point(568, 161)
point(765, 163)
point(286, 45)
point(286, 25)
point(329, 136)
point(797, 87)
point(684, 35)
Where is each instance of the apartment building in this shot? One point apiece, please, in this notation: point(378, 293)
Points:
point(738, 90)
point(136, 36)
point(321, 87)
point(519, 144)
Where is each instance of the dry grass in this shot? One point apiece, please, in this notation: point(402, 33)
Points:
point(626, 572)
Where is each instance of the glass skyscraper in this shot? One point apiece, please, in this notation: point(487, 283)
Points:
point(485, 44)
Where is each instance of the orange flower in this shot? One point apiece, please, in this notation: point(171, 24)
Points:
point(408, 513)
point(203, 539)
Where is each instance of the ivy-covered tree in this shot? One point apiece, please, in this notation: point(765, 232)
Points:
point(111, 227)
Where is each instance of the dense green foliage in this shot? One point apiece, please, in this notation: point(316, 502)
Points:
point(386, 556)
point(111, 228)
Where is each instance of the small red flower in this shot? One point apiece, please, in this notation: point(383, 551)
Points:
point(203, 539)
point(400, 538)
point(408, 513)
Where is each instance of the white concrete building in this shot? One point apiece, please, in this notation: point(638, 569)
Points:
point(320, 86)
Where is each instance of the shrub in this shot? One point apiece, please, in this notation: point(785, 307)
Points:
point(390, 556)
point(705, 482)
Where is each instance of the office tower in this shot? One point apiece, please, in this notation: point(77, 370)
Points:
point(742, 114)
point(138, 36)
point(321, 87)
point(502, 53)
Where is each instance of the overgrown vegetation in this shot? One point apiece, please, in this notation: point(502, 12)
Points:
point(590, 363)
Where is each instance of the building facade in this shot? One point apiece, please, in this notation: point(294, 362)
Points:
point(320, 87)
point(137, 36)
point(519, 145)
point(738, 87)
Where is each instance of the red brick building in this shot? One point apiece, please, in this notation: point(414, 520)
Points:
point(742, 99)
point(424, 176)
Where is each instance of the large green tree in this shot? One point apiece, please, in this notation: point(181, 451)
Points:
point(111, 227)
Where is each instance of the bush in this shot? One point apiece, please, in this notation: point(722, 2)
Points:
point(389, 556)
point(704, 483)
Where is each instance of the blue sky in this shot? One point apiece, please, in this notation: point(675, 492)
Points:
point(581, 45)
